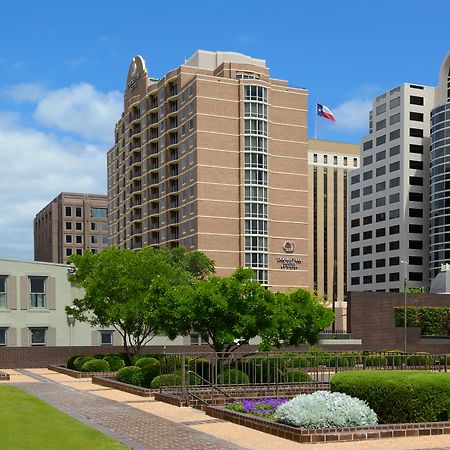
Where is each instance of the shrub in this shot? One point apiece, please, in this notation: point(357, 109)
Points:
point(296, 376)
point(405, 396)
point(168, 379)
point(79, 362)
point(171, 363)
point(375, 361)
point(340, 361)
point(420, 359)
point(325, 409)
point(233, 376)
point(70, 362)
point(262, 369)
point(301, 361)
point(96, 365)
point(146, 361)
point(115, 362)
point(201, 367)
point(149, 373)
point(130, 375)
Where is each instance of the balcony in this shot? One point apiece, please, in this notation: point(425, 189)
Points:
point(136, 187)
point(136, 215)
point(154, 133)
point(136, 201)
point(154, 178)
point(173, 108)
point(135, 159)
point(173, 218)
point(154, 149)
point(154, 224)
point(173, 186)
point(173, 233)
point(173, 154)
point(153, 118)
point(173, 123)
point(173, 170)
point(154, 163)
point(153, 103)
point(154, 208)
point(136, 144)
point(136, 129)
point(172, 139)
point(173, 90)
point(154, 194)
point(136, 172)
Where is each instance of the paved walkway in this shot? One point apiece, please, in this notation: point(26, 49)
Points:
point(143, 423)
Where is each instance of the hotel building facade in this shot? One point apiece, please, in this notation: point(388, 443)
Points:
point(71, 223)
point(214, 156)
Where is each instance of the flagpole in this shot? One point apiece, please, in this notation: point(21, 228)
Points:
point(315, 122)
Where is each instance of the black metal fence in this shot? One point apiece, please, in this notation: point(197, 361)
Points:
point(277, 374)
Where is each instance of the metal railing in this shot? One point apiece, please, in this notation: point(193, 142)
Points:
point(216, 375)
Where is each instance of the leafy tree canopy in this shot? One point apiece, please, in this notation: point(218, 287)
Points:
point(125, 288)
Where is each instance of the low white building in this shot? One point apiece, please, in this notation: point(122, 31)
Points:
point(33, 297)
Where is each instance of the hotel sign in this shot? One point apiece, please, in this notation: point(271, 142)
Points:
point(132, 85)
point(288, 263)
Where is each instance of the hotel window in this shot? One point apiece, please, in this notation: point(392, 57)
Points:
point(3, 298)
point(3, 337)
point(38, 336)
point(106, 337)
point(38, 292)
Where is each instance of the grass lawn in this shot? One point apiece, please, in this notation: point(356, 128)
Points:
point(30, 423)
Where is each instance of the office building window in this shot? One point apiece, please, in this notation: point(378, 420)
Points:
point(367, 145)
point(367, 205)
point(106, 337)
point(68, 238)
point(355, 223)
point(355, 266)
point(3, 341)
point(78, 212)
point(355, 179)
point(415, 100)
point(394, 229)
point(38, 292)
point(79, 239)
point(380, 155)
point(394, 166)
point(416, 165)
point(99, 212)
point(68, 211)
point(367, 279)
point(367, 175)
point(394, 103)
point(68, 251)
point(380, 217)
point(367, 220)
point(416, 132)
point(367, 250)
point(414, 228)
point(380, 278)
point(416, 181)
point(68, 225)
point(394, 214)
point(354, 237)
point(416, 196)
point(415, 276)
point(354, 281)
point(380, 263)
point(3, 299)
point(394, 261)
point(415, 148)
point(394, 182)
point(394, 245)
point(415, 245)
point(354, 252)
point(379, 248)
point(415, 116)
point(380, 232)
point(94, 239)
point(380, 171)
point(394, 150)
point(78, 226)
point(380, 201)
point(380, 140)
point(38, 336)
point(394, 276)
point(94, 226)
point(394, 119)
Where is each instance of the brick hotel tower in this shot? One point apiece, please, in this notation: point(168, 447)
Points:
point(214, 156)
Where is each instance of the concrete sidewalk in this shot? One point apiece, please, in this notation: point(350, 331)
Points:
point(143, 423)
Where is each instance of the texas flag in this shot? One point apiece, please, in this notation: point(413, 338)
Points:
point(323, 111)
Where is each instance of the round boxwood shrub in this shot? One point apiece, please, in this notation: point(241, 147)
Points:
point(325, 409)
point(340, 361)
point(399, 396)
point(168, 379)
point(96, 365)
point(130, 375)
point(79, 362)
point(146, 361)
point(296, 376)
point(233, 376)
point(70, 362)
point(115, 362)
point(149, 373)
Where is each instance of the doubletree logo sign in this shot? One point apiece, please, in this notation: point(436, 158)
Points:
point(289, 247)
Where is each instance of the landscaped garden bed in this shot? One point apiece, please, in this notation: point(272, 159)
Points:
point(305, 435)
point(4, 376)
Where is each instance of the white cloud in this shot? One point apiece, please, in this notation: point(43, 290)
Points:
point(81, 109)
point(352, 115)
point(35, 167)
point(25, 92)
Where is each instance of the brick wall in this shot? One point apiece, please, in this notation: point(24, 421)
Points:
point(370, 316)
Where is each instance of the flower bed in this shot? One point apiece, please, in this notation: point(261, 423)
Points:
point(263, 407)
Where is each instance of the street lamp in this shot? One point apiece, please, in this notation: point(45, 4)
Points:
point(406, 263)
point(71, 322)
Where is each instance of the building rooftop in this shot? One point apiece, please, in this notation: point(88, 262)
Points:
point(210, 60)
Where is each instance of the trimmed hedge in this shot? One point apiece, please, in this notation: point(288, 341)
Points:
point(115, 362)
point(168, 379)
point(399, 396)
point(79, 362)
point(130, 375)
point(146, 361)
point(96, 365)
point(70, 362)
point(233, 376)
point(296, 376)
point(148, 374)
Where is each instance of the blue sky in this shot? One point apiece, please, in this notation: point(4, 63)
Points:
point(63, 69)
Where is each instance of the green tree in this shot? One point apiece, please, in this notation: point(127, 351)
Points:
point(126, 289)
point(224, 310)
point(297, 317)
point(221, 309)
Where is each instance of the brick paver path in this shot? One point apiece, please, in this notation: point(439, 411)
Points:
point(137, 429)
